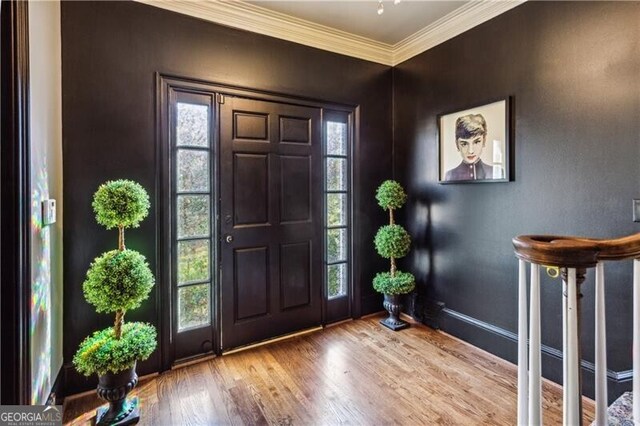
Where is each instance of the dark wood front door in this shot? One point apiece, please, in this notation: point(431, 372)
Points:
point(270, 219)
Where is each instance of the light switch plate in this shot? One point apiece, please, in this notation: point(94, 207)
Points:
point(636, 210)
point(48, 212)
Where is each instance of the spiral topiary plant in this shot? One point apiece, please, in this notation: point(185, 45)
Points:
point(392, 242)
point(118, 281)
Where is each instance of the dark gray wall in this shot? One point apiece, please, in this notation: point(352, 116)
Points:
point(111, 51)
point(573, 70)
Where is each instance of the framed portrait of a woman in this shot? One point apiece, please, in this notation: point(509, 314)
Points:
point(474, 144)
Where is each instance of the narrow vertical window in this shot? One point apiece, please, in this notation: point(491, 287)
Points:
point(192, 214)
point(337, 205)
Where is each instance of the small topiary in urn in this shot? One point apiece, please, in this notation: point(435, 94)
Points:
point(118, 281)
point(392, 242)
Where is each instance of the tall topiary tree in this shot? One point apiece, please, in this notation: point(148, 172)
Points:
point(392, 242)
point(118, 281)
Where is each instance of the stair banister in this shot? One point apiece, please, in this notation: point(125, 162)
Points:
point(572, 256)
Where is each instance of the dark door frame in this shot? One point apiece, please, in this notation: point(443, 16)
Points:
point(15, 237)
point(164, 84)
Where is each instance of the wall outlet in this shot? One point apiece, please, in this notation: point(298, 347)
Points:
point(48, 212)
point(636, 210)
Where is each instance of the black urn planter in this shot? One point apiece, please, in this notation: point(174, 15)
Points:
point(393, 306)
point(114, 388)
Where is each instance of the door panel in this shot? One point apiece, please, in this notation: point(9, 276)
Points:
point(251, 282)
point(271, 207)
point(250, 126)
point(295, 275)
point(295, 185)
point(251, 174)
point(295, 130)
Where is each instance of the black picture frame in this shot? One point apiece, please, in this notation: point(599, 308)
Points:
point(487, 127)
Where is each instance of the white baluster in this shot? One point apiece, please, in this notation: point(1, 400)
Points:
point(523, 416)
point(601, 350)
point(636, 341)
point(535, 384)
point(564, 348)
point(571, 397)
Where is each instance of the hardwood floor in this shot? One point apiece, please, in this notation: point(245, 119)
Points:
point(354, 373)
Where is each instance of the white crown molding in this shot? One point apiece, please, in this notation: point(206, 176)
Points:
point(249, 17)
point(455, 23)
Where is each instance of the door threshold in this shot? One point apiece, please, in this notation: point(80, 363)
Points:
point(275, 339)
point(185, 362)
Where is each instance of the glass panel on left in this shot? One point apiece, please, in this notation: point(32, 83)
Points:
point(193, 216)
point(193, 192)
point(192, 127)
point(193, 261)
point(192, 170)
point(193, 306)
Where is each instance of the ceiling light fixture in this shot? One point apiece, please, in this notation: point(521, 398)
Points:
point(381, 6)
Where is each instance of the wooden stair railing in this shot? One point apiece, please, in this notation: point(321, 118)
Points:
point(570, 256)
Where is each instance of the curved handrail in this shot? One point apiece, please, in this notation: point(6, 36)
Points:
point(575, 252)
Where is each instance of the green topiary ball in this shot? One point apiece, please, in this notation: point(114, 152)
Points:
point(391, 195)
point(120, 203)
point(402, 283)
point(102, 352)
point(118, 280)
point(392, 241)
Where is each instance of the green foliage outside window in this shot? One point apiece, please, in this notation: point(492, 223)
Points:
point(117, 281)
point(336, 278)
point(193, 305)
point(392, 242)
point(193, 261)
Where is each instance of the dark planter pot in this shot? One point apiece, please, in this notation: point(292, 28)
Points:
point(393, 306)
point(114, 388)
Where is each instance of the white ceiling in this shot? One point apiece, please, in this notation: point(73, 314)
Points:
point(350, 27)
point(360, 17)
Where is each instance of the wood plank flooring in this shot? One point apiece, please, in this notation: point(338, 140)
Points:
point(355, 373)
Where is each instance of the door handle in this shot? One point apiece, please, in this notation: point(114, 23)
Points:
point(229, 239)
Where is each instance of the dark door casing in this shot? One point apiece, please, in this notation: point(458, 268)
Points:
point(270, 219)
point(15, 231)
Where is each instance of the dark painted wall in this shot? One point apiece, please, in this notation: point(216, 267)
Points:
point(573, 70)
point(111, 51)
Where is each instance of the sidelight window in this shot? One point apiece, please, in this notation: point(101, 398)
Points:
point(337, 203)
point(192, 212)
